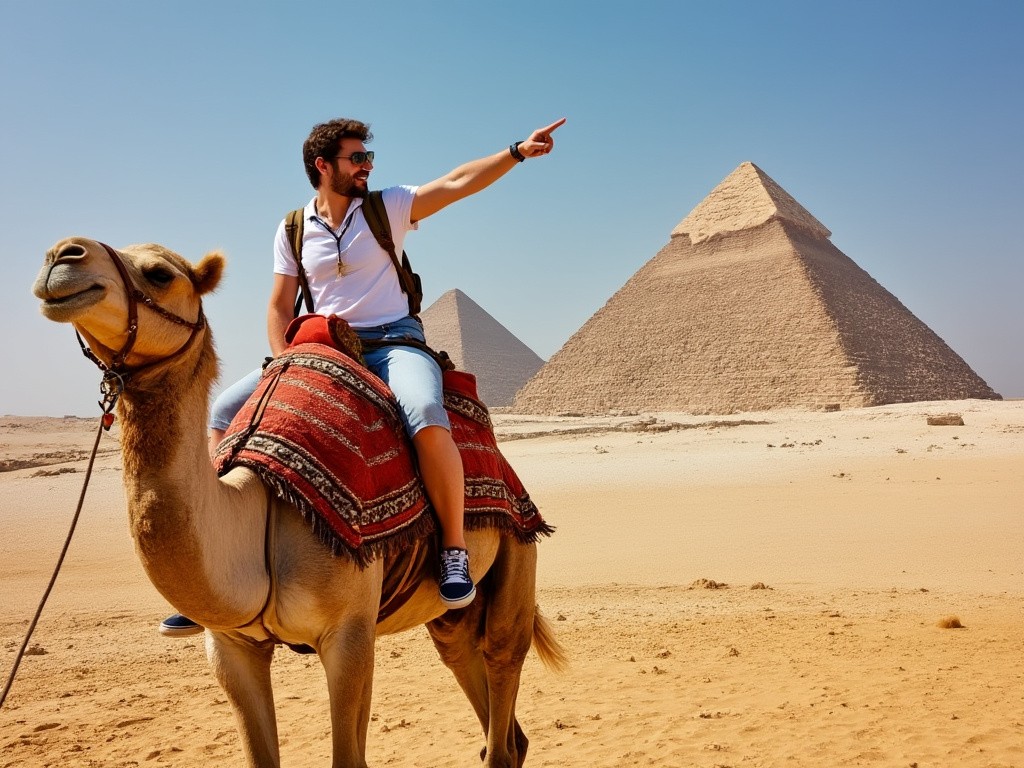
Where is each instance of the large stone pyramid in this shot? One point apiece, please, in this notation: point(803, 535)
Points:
point(749, 307)
point(479, 344)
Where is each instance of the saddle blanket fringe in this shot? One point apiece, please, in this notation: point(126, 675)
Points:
point(325, 434)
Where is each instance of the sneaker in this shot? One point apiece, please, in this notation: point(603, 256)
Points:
point(179, 626)
point(457, 590)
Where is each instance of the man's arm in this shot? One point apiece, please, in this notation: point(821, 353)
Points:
point(281, 310)
point(470, 178)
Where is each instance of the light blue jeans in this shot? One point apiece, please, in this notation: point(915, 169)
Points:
point(413, 375)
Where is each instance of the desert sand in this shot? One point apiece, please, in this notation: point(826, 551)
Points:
point(759, 589)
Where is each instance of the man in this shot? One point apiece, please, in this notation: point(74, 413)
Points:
point(351, 276)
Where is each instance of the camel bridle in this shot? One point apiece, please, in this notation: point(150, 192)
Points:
point(117, 372)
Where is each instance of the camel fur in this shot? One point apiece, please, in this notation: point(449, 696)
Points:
point(244, 564)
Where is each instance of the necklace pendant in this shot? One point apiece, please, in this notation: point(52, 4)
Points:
point(342, 269)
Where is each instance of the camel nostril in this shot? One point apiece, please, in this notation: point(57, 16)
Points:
point(71, 251)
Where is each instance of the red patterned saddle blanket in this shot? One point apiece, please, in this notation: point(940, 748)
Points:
point(325, 434)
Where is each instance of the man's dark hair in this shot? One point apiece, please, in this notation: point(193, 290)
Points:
point(325, 141)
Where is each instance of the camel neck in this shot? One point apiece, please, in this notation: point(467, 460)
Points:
point(178, 509)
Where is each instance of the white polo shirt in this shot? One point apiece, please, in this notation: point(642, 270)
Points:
point(367, 291)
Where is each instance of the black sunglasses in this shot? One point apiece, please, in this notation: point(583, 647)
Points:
point(357, 158)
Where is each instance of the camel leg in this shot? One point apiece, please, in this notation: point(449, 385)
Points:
point(242, 667)
point(508, 634)
point(485, 646)
point(347, 656)
point(456, 635)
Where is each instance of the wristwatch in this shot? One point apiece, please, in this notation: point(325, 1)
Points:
point(513, 149)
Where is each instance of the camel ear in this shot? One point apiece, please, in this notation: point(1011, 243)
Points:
point(208, 272)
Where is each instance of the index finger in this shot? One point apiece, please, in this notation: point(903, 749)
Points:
point(552, 127)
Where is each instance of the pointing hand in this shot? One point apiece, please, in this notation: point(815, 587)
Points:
point(540, 141)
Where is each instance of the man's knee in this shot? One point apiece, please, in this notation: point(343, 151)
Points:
point(425, 414)
point(230, 401)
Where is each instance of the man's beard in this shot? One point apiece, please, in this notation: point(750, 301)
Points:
point(344, 184)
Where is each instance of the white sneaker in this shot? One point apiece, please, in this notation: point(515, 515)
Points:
point(456, 587)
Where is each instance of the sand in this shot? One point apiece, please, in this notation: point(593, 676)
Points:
point(865, 531)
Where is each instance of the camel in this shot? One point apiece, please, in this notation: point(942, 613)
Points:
point(244, 564)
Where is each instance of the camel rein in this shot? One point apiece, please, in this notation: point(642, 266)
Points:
point(112, 385)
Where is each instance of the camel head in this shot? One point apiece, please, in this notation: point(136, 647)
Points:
point(82, 283)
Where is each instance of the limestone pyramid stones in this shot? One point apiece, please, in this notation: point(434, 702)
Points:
point(749, 307)
point(479, 344)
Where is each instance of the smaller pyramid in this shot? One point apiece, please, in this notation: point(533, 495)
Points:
point(479, 344)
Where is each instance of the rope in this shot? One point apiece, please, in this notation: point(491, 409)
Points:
point(105, 422)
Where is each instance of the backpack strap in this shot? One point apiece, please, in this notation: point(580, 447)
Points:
point(376, 216)
point(293, 225)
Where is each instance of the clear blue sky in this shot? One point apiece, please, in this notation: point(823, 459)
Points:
point(899, 125)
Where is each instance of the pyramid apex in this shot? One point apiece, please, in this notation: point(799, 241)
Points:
point(747, 198)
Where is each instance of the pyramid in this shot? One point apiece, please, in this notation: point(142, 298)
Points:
point(749, 307)
point(479, 344)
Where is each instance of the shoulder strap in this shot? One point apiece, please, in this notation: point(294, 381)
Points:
point(293, 225)
point(376, 216)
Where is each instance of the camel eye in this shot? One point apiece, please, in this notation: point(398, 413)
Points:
point(161, 277)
